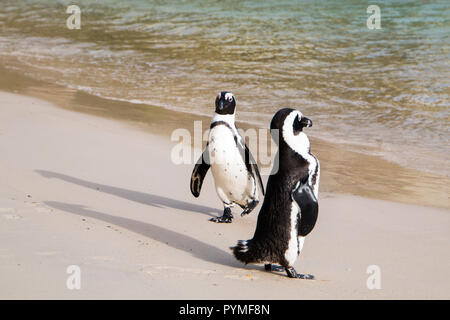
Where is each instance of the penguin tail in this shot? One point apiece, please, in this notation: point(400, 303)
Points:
point(243, 251)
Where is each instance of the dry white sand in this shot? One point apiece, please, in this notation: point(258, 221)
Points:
point(104, 196)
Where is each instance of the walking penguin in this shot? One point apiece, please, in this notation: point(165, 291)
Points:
point(290, 208)
point(234, 169)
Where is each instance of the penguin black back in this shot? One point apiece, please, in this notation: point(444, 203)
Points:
point(272, 240)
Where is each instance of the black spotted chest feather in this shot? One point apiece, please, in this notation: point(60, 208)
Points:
point(232, 179)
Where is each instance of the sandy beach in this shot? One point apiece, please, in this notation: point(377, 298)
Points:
point(103, 195)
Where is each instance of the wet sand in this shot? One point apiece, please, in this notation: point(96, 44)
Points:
point(343, 170)
point(103, 195)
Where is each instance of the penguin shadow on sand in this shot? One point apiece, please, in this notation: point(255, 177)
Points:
point(171, 238)
point(132, 195)
point(174, 239)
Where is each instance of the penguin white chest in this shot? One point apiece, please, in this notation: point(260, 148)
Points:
point(293, 249)
point(228, 167)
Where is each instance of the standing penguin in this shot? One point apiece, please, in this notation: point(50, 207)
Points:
point(290, 208)
point(235, 172)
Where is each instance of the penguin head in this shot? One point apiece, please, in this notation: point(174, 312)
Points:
point(288, 123)
point(225, 103)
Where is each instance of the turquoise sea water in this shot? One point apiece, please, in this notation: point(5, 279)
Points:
point(385, 91)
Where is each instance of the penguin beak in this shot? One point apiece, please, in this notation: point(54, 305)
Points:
point(219, 102)
point(305, 122)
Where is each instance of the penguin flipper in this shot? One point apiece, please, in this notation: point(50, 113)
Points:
point(252, 166)
point(199, 172)
point(255, 170)
point(304, 196)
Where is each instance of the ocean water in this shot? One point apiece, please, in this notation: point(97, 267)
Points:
point(384, 92)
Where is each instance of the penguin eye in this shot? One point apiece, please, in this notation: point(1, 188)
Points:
point(229, 97)
point(297, 125)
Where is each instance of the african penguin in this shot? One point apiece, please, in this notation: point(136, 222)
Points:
point(235, 172)
point(290, 208)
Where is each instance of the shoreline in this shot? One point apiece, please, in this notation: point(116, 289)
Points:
point(101, 194)
point(343, 170)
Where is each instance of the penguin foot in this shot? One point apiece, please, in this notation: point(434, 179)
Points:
point(291, 273)
point(271, 267)
point(227, 217)
point(222, 219)
point(250, 207)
